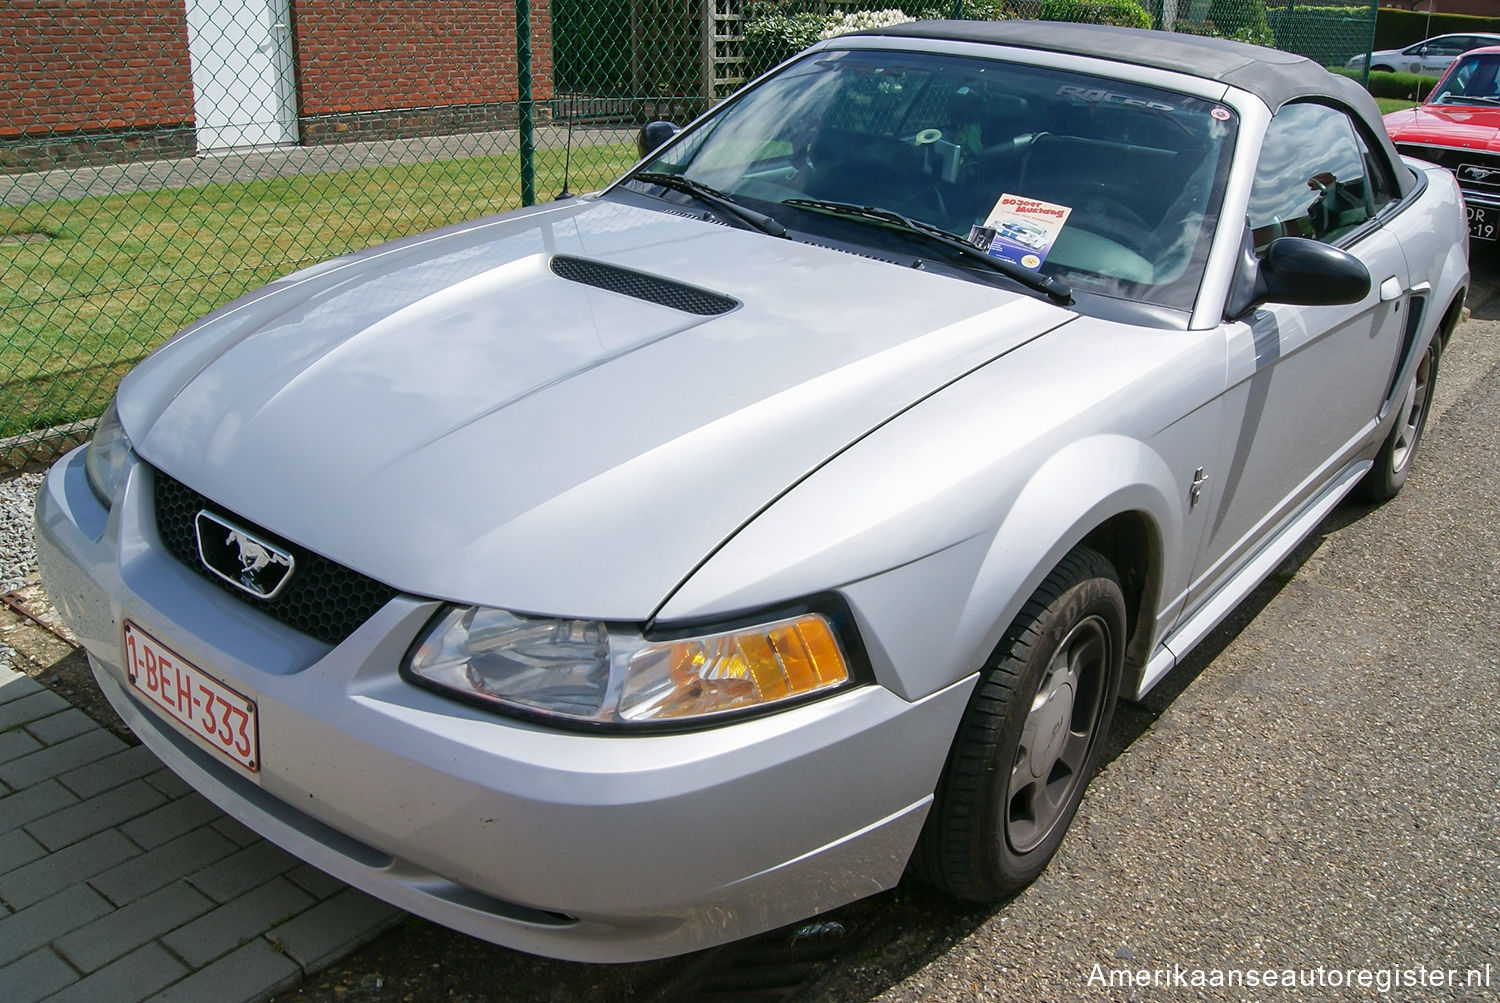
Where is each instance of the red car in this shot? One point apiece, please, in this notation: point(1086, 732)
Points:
point(1459, 128)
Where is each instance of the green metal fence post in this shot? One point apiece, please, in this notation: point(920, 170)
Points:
point(524, 110)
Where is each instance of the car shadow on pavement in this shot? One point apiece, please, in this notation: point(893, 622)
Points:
point(1133, 718)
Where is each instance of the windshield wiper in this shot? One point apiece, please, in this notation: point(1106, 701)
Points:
point(1057, 291)
point(713, 198)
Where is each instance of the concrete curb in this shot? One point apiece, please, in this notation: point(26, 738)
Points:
point(44, 445)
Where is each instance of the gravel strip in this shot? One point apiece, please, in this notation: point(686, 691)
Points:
point(17, 549)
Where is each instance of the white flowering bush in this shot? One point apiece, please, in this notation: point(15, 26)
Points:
point(862, 20)
point(779, 29)
point(773, 37)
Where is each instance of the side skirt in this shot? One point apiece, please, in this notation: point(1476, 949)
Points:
point(1197, 625)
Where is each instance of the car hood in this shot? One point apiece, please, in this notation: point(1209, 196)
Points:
point(451, 416)
point(1463, 126)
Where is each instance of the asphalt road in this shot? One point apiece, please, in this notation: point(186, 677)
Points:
point(1314, 793)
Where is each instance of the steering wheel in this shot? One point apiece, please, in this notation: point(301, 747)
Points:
point(1335, 201)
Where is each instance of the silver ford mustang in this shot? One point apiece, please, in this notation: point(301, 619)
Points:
point(641, 571)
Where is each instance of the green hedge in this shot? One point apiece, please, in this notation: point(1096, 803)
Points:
point(1406, 86)
point(978, 10)
point(1241, 25)
point(769, 40)
point(591, 48)
point(1396, 29)
point(1326, 35)
point(1126, 13)
point(591, 45)
point(1241, 20)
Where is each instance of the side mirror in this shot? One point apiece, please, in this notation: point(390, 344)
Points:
point(1297, 271)
point(653, 136)
point(1310, 273)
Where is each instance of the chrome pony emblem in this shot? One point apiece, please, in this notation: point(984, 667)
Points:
point(241, 558)
point(1477, 174)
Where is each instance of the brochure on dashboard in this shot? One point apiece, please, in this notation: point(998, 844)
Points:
point(1021, 230)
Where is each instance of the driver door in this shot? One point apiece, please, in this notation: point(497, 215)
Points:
point(1306, 384)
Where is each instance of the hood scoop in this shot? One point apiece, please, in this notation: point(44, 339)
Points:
point(651, 288)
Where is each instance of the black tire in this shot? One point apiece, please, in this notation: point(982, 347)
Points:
point(996, 820)
point(1382, 68)
point(1384, 480)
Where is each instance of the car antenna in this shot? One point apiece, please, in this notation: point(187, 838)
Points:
point(1426, 33)
point(568, 150)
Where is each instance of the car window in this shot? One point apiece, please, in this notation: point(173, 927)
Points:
point(1134, 173)
point(1475, 80)
point(1451, 46)
point(1316, 177)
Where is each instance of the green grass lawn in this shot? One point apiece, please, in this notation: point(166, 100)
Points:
point(121, 274)
point(1388, 105)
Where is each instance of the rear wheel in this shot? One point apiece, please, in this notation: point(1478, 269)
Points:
point(1029, 740)
point(1393, 462)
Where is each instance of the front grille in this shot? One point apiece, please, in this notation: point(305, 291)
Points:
point(641, 286)
point(322, 599)
point(1476, 171)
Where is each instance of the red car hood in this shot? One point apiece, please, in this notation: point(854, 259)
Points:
point(1462, 126)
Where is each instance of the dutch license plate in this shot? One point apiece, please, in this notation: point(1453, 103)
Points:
point(208, 710)
point(1482, 222)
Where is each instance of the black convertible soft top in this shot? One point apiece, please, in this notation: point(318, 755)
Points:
point(1274, 76)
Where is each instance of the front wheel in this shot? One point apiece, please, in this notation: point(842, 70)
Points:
point(1393, 462)
point(1030, 738)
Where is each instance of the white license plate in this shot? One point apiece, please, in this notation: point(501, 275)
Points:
point(208, 710)
point(1482, 222)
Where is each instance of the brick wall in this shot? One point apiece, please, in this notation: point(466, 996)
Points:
point(75, 65)
point(95, 81)
point(88, 81)
point(384, 68)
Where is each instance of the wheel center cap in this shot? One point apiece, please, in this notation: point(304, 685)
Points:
point(1052, 730)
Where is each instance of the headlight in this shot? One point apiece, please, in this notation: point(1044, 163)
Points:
point(595, 673)
point(105, 459)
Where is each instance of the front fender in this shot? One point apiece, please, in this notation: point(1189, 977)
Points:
point(1078, 489)
point(933, 531)
point(939, 524)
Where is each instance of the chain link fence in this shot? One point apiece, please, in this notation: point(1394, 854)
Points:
point(160, 157)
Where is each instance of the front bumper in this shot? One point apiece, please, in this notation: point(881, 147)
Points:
point(1477, 173)
point(577, 846)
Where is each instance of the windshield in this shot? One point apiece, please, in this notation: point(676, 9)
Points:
point(1472, 81)
point(1108, 185)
